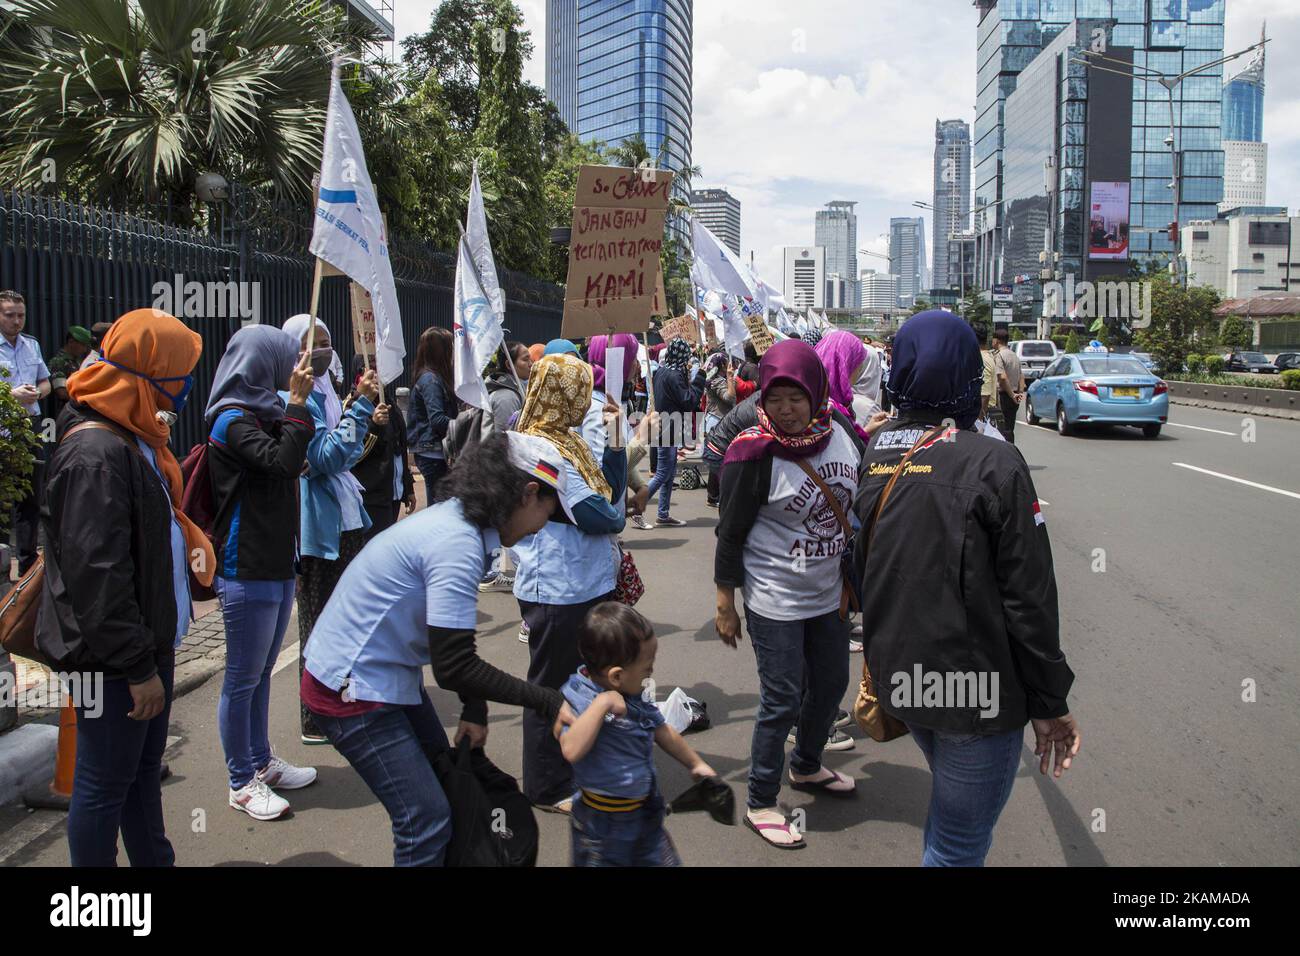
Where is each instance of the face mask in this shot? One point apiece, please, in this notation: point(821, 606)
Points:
point(320, 361)
point(178, 400)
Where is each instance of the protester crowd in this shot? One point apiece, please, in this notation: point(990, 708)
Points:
point(864, 501)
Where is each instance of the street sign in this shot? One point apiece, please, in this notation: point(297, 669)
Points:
point(1003, 293)
point(1002, 315)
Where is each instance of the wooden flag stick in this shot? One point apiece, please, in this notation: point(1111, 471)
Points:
point(315, 304)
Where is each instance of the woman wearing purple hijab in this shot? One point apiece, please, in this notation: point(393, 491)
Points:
point(593, 426)
point(780, 541)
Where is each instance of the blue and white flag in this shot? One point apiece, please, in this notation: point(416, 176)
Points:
point(480, 249)
point(715, 267)
point(476, 331)
point(348, 232)
point(768, 297)
point(783, 323)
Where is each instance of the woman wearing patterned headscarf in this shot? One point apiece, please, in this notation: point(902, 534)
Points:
point(780, 540)
point(677, 398)
point(568, 567)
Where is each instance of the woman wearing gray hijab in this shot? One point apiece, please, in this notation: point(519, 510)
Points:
point(256, 450)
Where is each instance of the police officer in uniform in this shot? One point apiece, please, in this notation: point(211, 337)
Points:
point(24, 369)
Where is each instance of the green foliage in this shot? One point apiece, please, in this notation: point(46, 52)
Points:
point(1235, 334)
point(1291, 379)
point(976, 310)
point(1214, 364)
point(1195, 363)
point(1060, 341)
point(1017, 335)
point(921, 305)
point(1234, 381)
point(17, 453)
point(131, 99)
point(1072, 343)
point(1179, 317)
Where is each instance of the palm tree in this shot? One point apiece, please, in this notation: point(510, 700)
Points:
point(136, 97)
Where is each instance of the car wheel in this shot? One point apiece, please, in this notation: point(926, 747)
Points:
point(1030, 417)
point(1063, 426)
point(1151, 431)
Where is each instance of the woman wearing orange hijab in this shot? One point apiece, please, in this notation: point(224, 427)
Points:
point(116, 601)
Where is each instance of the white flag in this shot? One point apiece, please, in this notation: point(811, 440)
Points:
point(480, 249)
point(349, 231)
point(476, 329)
point(768, 297)
point(715, 266)
point(783, 323)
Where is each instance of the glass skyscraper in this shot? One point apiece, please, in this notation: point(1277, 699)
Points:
point(1170, 36)
point(622, 68)
point(836, 230)
point(951, 194)
point(1243, 104)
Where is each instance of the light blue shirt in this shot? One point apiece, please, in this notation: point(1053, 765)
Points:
point(562, 565)
point(422, 572)
point(180, 562)
point(25, 365)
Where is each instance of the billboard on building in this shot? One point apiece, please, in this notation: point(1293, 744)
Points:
point(1108, 221)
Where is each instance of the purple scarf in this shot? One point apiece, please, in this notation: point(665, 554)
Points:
point(596, 358)
point(791, 362)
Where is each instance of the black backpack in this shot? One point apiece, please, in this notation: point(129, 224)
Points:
point(492, 823)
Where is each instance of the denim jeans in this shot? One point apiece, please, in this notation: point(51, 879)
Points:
point(117, 782)
point(433, 470)
point(634, 838)
point(256, 615)
point(803, 671)
point(386, 747)
point(973, 774)
point(662, 482)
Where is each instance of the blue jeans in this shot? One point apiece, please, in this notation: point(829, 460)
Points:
point(256, 615)
point(387, 748)
point(634, 838)
point(117, 783)
point(803, 671)
point(433, 470)
point(973, 774)
point(665, 471)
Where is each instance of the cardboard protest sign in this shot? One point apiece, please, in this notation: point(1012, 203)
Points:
point(759, 333)
point(682, 327)
point(615, 280)
point(363, 322)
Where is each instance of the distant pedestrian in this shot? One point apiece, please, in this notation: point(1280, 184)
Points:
point(386, 482)
point(677, 401)
point(1011, 385)
point(65, 363)
point(433, 405)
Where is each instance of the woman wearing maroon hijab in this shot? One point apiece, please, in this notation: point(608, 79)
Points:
point(780, 541)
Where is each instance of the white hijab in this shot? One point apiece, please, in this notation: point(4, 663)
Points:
point(866, 388)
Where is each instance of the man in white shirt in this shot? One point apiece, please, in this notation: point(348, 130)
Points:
point(23, 368)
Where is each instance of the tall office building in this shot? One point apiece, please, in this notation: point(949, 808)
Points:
point(907, 258)
point(1166, 35)
point(951, 194)
point(837, 232)
point(804, 282)
point(1243, 102)
point(879, 291)
point(616, 69)
point(720, 212)
point(1245, 174)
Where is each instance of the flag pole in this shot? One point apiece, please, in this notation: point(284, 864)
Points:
point(315, 304)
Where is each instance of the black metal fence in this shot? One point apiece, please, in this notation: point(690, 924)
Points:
point(77, 264)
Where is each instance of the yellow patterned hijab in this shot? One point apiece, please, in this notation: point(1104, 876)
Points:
point(559, 396)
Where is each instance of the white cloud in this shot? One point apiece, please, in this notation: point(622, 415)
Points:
point(797, 104)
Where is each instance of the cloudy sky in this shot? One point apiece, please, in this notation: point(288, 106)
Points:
point(797, 104)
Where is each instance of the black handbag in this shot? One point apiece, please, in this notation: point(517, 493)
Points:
point(492, 823)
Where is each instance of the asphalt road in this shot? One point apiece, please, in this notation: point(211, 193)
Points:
point(1198, 595)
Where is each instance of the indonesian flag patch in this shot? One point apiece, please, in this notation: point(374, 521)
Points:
point(1038, 514)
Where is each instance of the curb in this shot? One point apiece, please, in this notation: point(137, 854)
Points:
point(192, 675)
point(1256, 411)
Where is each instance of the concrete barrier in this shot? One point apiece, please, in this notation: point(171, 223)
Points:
point(1270, 402)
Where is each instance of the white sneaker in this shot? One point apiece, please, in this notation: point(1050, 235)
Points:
point(523, 632)
point(283, 775)
point(639, 522)
point(259, 801)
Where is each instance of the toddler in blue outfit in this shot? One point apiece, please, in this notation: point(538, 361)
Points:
point(618, 813)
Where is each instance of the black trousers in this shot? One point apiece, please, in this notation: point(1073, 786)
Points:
point(552, 659)
point(1009, 409)
point(27, 513)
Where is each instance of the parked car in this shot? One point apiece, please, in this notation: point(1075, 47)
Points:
point(1249, 362)
point(1146, 358)
point(1035, 355)
point(1287, 360)
point(1093, 389)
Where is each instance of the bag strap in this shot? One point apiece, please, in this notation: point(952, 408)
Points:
point(826, 493)
point(893, 479)
point(103, 427)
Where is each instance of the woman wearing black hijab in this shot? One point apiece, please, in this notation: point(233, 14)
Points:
point(383, 470)
point(958, 591)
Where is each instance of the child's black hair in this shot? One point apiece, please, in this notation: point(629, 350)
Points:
point(611, 635)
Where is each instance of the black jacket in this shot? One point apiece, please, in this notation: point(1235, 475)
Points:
point(375, 469)
point(109, 603)
point(254, 472)
point(958, 580)
point(680, 399)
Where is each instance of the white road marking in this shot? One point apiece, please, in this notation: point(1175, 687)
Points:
point(1215, 431)
point(1240, 481)
point(287, 656)
point(34, 826)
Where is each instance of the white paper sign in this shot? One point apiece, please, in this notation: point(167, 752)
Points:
point(614, 385)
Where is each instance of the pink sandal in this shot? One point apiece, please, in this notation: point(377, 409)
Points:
point(758, 828)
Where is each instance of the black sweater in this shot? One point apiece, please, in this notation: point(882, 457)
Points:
point(254, 472)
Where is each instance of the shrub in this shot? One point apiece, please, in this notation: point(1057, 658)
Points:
point(1214, 364)
point(1291, 379)
point(1072, 343)
point(17, 446)
point(1059, 341)
point(1195, 363)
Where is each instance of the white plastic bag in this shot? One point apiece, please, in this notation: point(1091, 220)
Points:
point(676, 710)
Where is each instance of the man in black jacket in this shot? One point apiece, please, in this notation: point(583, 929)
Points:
point(958, 591)
point(677, 401)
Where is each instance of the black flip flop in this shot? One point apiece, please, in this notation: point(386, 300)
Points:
point(823, 786)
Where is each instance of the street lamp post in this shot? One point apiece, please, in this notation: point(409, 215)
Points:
point(1092, 58)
